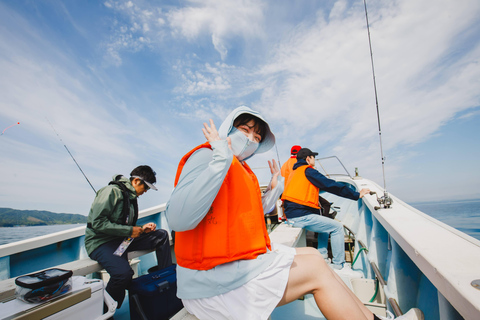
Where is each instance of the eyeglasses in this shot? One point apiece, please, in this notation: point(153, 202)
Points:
point(145, 186)
point(143, 181)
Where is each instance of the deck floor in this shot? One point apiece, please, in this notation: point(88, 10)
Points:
point(300, 309)
point(305, 309)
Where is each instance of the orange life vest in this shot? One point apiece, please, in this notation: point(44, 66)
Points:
point(300, 190)
point(234, 227)
point(287, 167)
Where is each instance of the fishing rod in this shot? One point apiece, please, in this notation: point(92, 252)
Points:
point(9, 128)
point(385, 200)
point(278, 157)
point(71, 155)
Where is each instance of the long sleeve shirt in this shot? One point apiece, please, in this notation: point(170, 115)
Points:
point(106, 216)
point(200, 180)
point(293, 210)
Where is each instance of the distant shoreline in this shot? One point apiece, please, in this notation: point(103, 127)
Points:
point(13, 217)
point(444, 201)
point(40, 225)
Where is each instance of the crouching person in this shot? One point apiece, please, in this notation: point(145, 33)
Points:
point(112, 219)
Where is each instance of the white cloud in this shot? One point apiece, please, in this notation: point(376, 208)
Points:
point(219, 20)
point(136, 29)
point(324, 70)
point(103, 135)
point(314, 85)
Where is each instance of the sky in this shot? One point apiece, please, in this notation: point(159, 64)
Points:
point(126, 83)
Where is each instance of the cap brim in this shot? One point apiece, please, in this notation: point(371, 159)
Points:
point(151, 186)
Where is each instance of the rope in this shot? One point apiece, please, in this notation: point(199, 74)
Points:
point(376, 292)
point(358, 253)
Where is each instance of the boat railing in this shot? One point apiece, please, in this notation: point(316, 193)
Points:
point(330, 174)
point(283, 233)
point(64, 249)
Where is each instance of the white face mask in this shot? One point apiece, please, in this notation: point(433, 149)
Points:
point(242, 147)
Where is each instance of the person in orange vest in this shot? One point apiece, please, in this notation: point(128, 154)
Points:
point(287, 168)
point(302, 207)
point(288, 165)
point(227, 268)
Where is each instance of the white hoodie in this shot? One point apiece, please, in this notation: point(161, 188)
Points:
point(198, 185)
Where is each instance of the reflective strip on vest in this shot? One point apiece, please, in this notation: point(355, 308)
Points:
point(234, 227)
point(300, 190)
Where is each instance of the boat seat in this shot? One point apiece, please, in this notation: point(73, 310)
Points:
point(139, 253)
point(185, 315)
point(79, 267)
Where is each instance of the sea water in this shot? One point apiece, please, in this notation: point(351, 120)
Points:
point(464, 215)
point(13, 234)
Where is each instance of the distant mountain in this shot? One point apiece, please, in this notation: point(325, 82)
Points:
point(12, 217)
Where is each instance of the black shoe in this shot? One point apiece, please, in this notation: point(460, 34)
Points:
point(153, 269)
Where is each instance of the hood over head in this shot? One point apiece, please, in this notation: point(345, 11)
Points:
point(226, 127)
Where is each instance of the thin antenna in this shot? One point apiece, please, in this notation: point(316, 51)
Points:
point(386, 197)
point(278, 157)
point(71, 155)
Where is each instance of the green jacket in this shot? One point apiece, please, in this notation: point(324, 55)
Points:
point(106, 216)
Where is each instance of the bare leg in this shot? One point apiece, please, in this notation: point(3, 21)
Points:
point(308, 250)
point(310, 274)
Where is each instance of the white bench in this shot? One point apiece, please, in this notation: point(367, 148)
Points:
point(283, 233)
point(80, 267)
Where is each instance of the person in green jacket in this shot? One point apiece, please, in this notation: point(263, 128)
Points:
point(112, 220)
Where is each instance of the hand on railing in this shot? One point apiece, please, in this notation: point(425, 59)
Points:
point(364, 191)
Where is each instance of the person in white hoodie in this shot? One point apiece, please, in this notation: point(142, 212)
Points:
point(216, 279)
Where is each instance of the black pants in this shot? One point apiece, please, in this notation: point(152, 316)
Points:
point(118, 267)
point(325, 206)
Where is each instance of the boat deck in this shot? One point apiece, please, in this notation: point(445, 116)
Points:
point(416, 260)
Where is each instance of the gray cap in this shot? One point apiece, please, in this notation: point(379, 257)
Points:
point(150, 185)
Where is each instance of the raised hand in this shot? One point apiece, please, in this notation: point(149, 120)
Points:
point(273, 167)
point(275, 172)
point(211, 134)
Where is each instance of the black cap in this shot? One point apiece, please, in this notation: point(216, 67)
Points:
point(305, 152)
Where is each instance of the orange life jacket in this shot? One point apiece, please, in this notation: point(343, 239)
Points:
point(234, 227)
point(287, 167)
point(300, 190)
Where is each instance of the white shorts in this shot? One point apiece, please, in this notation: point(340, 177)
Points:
point(255, 300)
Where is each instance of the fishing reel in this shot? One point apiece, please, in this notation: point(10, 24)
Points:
point(384, 201)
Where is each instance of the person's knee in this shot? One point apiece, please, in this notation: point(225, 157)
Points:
point(338, 227)
point(314, 251)
point(155, 239)
point(315, 267)
point(160, 233)
point(161, 236)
